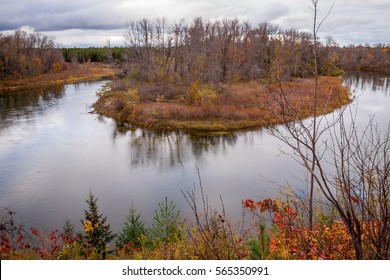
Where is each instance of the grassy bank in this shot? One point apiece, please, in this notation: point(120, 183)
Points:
point(219, 108)
point(79, 73)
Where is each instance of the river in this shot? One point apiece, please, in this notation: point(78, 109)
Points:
point(53, 152)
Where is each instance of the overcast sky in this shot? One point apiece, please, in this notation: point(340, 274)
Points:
point(93, 22)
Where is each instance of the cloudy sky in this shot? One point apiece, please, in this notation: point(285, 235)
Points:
point(93, 22)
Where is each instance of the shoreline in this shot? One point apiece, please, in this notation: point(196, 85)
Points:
point(367, 69)
point(82, 73)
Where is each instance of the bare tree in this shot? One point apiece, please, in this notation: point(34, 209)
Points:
point(350, 168)
point(139, 36)
point(219, 51)
point(28, 53)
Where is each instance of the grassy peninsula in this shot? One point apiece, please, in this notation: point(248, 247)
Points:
point(221, 108)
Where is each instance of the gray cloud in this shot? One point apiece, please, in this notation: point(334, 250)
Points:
point(88, 21)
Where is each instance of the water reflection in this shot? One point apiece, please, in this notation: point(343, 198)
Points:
point(15, 106)
point(157, 149)
point(372, 91)
point(360, 81)
point(217, 144)
point(162, 149)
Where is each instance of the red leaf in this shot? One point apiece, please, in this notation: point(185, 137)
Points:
point(35, 232)
point(354, 199)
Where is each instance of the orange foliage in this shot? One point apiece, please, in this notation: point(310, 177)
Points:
point(294, 239)
point(57, 67)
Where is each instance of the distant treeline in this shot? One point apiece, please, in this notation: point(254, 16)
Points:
point(202, 50)
point(362, 57)
point(94, 54)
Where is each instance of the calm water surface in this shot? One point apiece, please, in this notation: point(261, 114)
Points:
point(53, 152)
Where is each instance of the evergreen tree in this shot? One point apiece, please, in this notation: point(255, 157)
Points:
point(133, 229)
point(68, 233)
point(97, 232)
point(166, 225)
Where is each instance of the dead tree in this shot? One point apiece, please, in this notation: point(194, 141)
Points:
point(351, 168)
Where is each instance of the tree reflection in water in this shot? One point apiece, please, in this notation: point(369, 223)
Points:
point(163, 149)
point(373, 81)
point(22, 105)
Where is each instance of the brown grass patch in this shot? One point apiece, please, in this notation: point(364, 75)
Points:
point(237, 106)
point(83, 72)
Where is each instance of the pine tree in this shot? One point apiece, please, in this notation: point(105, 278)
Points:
point(166, 225)
point(68, 233)
point(133, 229)
point(97, 232)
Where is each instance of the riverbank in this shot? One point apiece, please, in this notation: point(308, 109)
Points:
point(227, 108)
point(368, 69)
point(79, 73)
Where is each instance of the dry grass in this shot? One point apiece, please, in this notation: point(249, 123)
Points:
point(236, 106)
point(83, 72)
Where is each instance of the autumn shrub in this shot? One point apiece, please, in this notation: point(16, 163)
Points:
point(201, 94)
point(35, 244)
point(180, 249)
point(161, 91)
point(292, 238)
point(57, 67)
point(12, 235)
point(213, 235)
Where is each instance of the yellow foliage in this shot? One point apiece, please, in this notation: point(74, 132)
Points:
point(201, 95)
point(56, 67)
point(133, 95)
point(89, 227)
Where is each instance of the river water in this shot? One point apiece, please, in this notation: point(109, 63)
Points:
point(53, 152)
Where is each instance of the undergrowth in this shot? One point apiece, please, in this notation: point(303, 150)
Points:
point(276, 229)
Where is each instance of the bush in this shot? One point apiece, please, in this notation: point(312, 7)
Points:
point(292, 238)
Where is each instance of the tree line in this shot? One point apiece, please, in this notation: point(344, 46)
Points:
point(23, 53)
point(229, 50)
point(94, 54)
point(202, 50)
point(363, 57)
point(218, 51)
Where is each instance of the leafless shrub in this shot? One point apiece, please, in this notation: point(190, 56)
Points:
point(213, 234)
